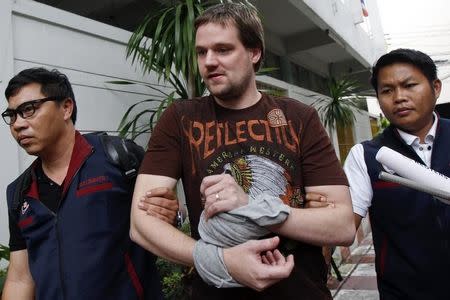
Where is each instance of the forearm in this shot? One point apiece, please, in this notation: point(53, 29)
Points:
point(17, 290)
point(322, 226)
point(153, 234)
point(19, 284)
point(319, 226)
point(162, 239)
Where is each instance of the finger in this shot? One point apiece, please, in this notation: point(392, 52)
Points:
point(315, 197)
point(214, 197)
point(212, 190)
point(315, 204)
point(265, 260)
point(163, 218)
point(277, 272)
point(219, 202)
point(209, 181)
point(278, 257)
point(158, 210)
point(264, 244)
point(290, 259)
point(217, 207)
point(164, 192)
point(271, 258)
point(226, 182)
point(162, 202)
point(142, 204)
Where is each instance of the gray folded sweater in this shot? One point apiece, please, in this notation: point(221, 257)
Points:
point(233, 228)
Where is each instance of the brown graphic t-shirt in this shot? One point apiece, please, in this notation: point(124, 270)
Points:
point(276, 146)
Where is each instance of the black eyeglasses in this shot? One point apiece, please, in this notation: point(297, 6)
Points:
point(26, 109)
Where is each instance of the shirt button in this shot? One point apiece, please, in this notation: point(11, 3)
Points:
point(421, 148)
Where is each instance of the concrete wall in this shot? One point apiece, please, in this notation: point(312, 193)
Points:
point(362, 129)
point(344, 17)
point(9, 158)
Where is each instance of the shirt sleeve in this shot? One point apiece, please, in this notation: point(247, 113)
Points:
point(360, 187)
point(320, 165)
point(163, 156)
point(16, 240)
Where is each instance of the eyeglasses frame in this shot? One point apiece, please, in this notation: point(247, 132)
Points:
point(33, 103)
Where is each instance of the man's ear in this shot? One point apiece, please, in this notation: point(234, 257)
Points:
point(437, 86)
point(67, 106)
point(255, 54)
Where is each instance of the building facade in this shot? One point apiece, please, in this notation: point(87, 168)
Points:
point(307, 41)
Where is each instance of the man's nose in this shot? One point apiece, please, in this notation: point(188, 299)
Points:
point(210, 59)
point(19, 123)
point(399, 95)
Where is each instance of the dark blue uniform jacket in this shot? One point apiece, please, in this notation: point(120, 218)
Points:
point(411, 229)
point(84, 250)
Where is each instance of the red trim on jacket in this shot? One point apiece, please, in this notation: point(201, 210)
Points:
point(384, 184)
point(25, 222)
point(134, 277)
point(96, 188)
point(383, 251)
point(81, 150)
point(33, 190)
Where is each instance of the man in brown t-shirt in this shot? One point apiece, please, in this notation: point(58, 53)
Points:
point(236, 144)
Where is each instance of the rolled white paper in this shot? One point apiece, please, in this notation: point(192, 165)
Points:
point(438, 194)
point(414, 171)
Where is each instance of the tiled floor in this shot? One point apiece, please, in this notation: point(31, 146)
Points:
point(359, 277)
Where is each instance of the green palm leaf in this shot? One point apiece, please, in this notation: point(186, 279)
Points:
point(164, 43)
point(338, 109)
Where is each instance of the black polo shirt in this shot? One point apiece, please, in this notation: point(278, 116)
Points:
point(49, 194)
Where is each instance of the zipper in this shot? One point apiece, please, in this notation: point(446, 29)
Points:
point(58, 232)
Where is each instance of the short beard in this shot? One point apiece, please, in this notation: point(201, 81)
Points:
point(233, 92)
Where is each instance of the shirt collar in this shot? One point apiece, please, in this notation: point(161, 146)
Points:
point(429, 138)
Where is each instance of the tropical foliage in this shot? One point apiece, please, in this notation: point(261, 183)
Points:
point(382, 124)
point(338, 109)
point(164, 43)
point(4, 254)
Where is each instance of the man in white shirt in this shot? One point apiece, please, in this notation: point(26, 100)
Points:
point(411, 229)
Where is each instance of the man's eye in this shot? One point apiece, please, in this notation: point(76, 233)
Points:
point(223, 50)
point(385, 91)
point(200, 52)
point(27, 108)
point(9, 113)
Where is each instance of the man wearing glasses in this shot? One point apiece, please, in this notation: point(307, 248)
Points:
point(69, 211)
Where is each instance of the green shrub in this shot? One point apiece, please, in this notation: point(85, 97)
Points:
point(175, 278)
point(4, 254)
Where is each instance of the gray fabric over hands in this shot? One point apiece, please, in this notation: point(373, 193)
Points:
point(208, 261)
point(233, 228)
